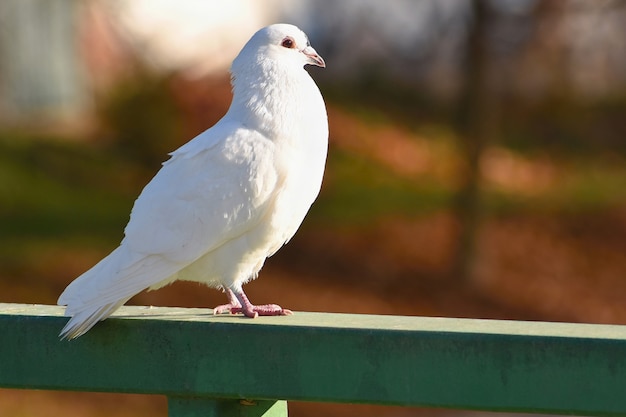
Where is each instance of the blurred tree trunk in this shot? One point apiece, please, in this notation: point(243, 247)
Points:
point(476, 120)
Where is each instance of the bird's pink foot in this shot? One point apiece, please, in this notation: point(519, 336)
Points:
point(253, 311)
point(239, 303)
point(225, 308)
point(228, 308)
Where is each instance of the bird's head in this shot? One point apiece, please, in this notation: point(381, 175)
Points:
point(280, 42)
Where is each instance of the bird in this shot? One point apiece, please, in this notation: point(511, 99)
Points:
point(229, 198)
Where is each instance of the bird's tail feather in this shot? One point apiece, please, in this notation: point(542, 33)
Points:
point(97, 293)
point(81, 322)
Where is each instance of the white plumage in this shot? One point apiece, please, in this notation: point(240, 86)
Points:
point(229, 198)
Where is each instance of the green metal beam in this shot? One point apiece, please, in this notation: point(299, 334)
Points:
point(436, 362)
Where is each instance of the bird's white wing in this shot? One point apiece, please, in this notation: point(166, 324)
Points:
point(212, 190)
point(204, 196)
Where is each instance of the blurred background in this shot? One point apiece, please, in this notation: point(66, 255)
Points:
point(476, 164)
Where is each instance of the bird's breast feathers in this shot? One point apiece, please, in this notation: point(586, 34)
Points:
point(211, 191)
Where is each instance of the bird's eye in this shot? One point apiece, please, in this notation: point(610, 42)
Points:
point(288, 43)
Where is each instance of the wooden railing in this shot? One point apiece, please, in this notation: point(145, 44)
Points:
point(231, 366)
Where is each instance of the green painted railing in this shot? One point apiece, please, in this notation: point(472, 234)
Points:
point(231, 366)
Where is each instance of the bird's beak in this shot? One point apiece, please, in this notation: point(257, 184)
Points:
point(313, 58)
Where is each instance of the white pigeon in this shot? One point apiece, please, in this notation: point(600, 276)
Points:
point(229, 198)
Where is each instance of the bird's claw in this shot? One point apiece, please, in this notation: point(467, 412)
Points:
point(225, 308)
point(238, 303)
point(266, 310)
point(253, 311)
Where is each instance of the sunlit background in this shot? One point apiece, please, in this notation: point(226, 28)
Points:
point(477, 162)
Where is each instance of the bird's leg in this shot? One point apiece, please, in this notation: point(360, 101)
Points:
point(228, 308)
point(252, 311)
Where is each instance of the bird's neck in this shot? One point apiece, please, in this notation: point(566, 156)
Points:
point(267, 97)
